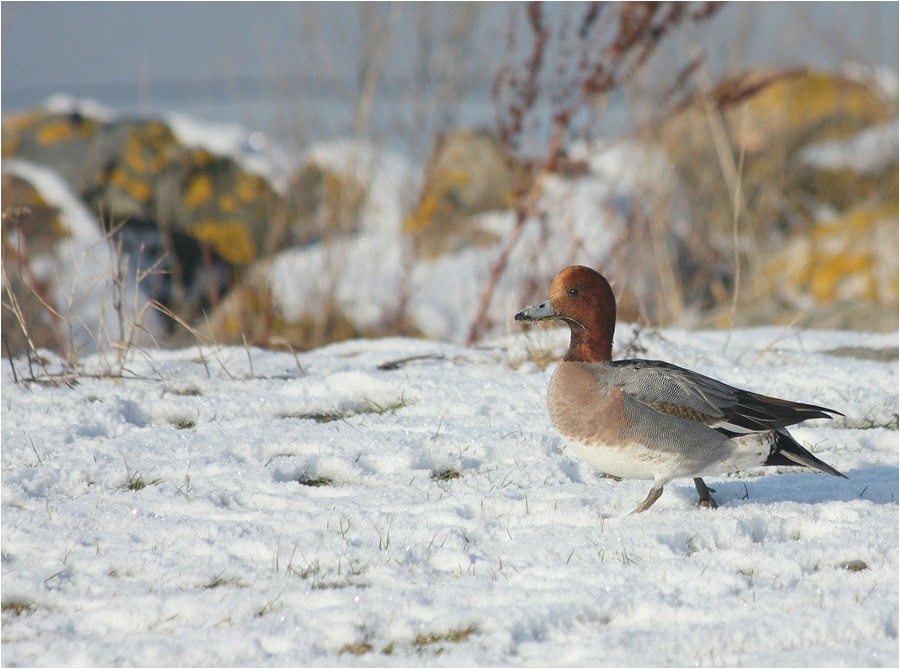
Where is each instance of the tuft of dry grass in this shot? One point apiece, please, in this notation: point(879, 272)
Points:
point(315, 481)
point(433, 640)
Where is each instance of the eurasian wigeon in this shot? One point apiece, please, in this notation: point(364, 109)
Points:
point(647, 419)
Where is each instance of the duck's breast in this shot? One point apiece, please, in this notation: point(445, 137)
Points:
point(582, 408)
point(591, 417)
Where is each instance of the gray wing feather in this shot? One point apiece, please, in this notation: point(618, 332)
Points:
point(656, 382)
point(678, 391)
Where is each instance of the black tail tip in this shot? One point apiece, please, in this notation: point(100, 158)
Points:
point(788, 453)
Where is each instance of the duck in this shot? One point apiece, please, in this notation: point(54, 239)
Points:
point(652, 420)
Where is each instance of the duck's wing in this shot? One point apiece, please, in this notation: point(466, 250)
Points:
point(680, 392)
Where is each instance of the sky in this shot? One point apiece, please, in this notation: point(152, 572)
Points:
point(199, 56)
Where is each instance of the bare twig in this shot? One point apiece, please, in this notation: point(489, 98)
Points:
point(12, 363)
point(523, 213)
point(296, 359)
point(602, 64)
point(735, 241)
point(249, 356)
point(24, 261)
point(381, 45)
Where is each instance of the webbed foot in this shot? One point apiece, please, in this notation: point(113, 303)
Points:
point(703, 491)
point(652, 496)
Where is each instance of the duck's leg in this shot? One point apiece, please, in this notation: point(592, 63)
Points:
point(652, 496)
point(703, 491)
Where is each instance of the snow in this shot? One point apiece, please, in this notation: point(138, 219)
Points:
point(249, 149)
point(61, 103)
point(870, 151)
point(528, 557)
point(77, 220)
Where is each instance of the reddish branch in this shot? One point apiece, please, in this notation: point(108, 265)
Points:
point(23, 256)
point(641, 26)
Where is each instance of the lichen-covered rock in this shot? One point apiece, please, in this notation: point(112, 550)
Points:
point(68, 286)
point(328, 203)
point(136, 168)
point(810, 159)
point(184, 275)
point(469, 172)
point(250, 314)
point(851, 261)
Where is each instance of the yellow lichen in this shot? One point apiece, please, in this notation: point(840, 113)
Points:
point(229, 239)
point(133, 155)
point(814, 96)
point(17, 123)
point(200, 157)
point(828, 271)
point(9, 146)
point(248, 187)
point(418, 220)
point(199, 190)
point(139, 190)
point(436, 200)
point(228, 204)
point(63, 130)
point(849, 257)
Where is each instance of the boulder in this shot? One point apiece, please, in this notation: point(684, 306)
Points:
point(328, 202)
point(815, 157)
point(469, 172)
point(138, 168)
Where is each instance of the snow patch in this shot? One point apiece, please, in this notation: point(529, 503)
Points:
point(263, 536)
point(870, 151)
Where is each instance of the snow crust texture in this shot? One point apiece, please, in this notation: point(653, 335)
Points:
point(405, 502)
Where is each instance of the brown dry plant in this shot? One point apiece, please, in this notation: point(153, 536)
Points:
point(563, 75)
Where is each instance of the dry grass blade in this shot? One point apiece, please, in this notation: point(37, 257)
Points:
point(23, 256)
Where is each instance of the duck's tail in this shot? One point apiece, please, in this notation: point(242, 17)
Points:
point(786, 452)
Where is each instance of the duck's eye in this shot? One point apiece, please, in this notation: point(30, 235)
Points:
point(574, 291)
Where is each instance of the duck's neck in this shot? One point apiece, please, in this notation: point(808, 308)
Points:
point(589, 345)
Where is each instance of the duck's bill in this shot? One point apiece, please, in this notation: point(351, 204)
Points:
point(539, 312)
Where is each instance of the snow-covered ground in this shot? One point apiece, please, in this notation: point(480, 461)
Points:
point(157, 518)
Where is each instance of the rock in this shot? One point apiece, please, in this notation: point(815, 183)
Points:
point(854, 565)
point(185, 275)
point(849, 258)
point(134, 168)
point(328, 203)
point(250, 314)
point(469, 172)
point(817, 219)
